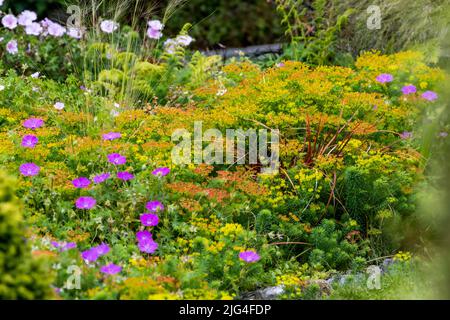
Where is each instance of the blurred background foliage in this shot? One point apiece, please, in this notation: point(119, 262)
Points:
point(41, 7)
point(312, 27)
point(231, 23)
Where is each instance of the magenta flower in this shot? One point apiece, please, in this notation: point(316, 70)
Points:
point(161, 171)
point(55, 244)
point(102, 249)
point(116, 159)
point(29, 141)
point(406, 135)
point(124, 175)
point(111, 269)
point(29, 169)
point(90, 255)
point(409, 89)
point(12, 47)
point(429, 95)
point(147, 246)
point(101, 177)
point(249, 256)
point(33, 123)
point(149, 219)
point(154, 206)
point(143, 235)
point(385, 77)
point(85, 203)
point(9, 21)
point(81, 182)
point(109, 26)
point(111, 136)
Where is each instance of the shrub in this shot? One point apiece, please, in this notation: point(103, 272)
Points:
point(21, 275)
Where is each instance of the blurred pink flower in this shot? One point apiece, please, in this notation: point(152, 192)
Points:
point(11, 47)
point(109, 26)
point(27, 17)
point(74, 33)
point(154, 34)
point(9, 21)
point(155, 25)
point(55, 29)
point(385, 77)
point(184, 40)
point(34, 29)
point(429, 95)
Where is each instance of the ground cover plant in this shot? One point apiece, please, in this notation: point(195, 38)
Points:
point(92, 200)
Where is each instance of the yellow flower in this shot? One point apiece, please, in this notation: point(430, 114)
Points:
point(353, 223)
point(232, 228)
point(403, 256)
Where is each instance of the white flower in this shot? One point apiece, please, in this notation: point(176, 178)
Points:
point(2, 87)
point(221, 92)
point(27, 17)
point(35, 75)
point(9, 21)
point(184, 40)
point(109, 26)
point(170, 45)
point(1, 2)
point(59, 105)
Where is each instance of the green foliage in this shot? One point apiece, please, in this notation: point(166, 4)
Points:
point(379, 201)
point(312, 30)
point(232, 23)
point(401, 281)
point(52, 57)
point(40, 6)
point(21, 276)
point(419, 25)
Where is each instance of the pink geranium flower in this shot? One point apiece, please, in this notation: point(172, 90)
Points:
point(29, 141)
point(12, 47)
point(109, 26)
point(149, 219)
point(9, 21)
point(85, 203)
point(249, 256)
